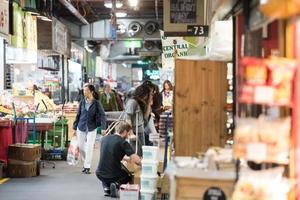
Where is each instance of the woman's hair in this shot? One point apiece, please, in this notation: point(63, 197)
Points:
point(169, 83)
point(140, 93)
point(123, 126)
point(93, 90)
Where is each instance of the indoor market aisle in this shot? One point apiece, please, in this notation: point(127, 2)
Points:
point(63, 182)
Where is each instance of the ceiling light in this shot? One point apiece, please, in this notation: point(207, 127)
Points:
point(133, 3)
point(108, 4)
point(121, 14)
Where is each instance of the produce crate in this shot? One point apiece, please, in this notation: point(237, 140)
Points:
point(24, 152)
point(22, 169)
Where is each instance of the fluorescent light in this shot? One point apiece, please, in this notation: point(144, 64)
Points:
point(121, 14)
point(133, 3)
point(109, 4)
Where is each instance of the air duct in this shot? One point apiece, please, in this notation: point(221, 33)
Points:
point(74, 11)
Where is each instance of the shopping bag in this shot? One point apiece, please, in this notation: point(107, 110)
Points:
point(73, 152)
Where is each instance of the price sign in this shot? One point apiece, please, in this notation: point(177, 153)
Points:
point(197, 30)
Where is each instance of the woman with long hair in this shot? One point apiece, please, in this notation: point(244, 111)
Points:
point(167, 95)
point(90, 115)
point(138, 110)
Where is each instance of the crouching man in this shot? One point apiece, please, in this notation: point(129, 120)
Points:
point(110, 170)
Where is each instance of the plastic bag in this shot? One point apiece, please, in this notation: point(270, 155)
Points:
point(73, 152)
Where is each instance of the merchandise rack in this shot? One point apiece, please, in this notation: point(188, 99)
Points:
point(248, 109)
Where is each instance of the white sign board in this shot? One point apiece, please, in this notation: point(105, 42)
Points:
point(172, 47)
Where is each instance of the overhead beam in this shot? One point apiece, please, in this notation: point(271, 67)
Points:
point(74, 11)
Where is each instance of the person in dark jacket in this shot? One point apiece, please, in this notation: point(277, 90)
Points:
point(90, 115)
point(110, 170)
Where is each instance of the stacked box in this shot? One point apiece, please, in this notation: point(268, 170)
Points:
point(149, 177)
point(24, 152)
point(24, 160)
point(22, 169)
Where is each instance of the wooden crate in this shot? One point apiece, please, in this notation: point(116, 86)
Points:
point(192, 188)
point(199, 109)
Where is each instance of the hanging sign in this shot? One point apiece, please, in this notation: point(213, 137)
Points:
point(59, 37)
point(4, 17)
point(183, 11)
point(197, 30)
point(172, 47)
point(180, 13)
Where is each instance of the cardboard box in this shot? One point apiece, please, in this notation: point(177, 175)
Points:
point(137, 178)
point(160, 168)
point(24, 152)
point(165, 184)
point(21, 169)
point(159, 182)
point(133, 167)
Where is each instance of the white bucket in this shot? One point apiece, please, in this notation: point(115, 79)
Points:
point(148, 182)
point(149, 168)
point(129, 192)
point(150, 153)
point(148, 194)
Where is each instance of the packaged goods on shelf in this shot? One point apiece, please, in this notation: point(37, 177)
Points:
point(262, 139)
point(255, 71)
point(262, 185)
point(267, 81)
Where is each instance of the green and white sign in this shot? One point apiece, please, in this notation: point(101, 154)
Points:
point(172, 47)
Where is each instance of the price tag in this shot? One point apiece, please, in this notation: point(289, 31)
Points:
point(197, 30)
point(257, 152)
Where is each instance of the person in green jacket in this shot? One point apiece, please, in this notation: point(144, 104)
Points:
point(108, 99)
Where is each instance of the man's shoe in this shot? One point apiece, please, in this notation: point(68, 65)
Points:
point(106, 192)
point(113, 190)
point(83, 171)
point(87, 171)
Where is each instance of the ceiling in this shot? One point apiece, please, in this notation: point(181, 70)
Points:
point(94, 10)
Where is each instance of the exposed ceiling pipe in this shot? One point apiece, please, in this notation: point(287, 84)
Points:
point(74, 11)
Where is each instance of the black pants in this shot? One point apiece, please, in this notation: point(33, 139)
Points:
point(124, 178)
